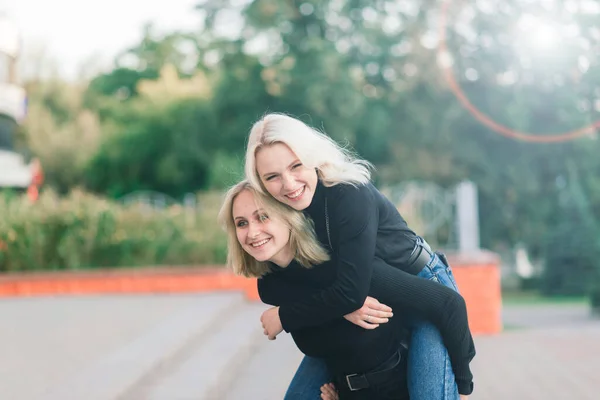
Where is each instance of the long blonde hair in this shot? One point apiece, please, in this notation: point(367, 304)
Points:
point(307, 250)
point(315, 149)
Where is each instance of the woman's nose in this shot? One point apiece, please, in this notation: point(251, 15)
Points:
point(253, 230)
point(288, 181)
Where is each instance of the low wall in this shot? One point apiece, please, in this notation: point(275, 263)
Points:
point(123, 281)
point(477, 275)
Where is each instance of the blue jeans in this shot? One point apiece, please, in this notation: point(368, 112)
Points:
point(430, 375)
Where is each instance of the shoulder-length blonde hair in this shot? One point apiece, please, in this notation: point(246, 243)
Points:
point(308, 251)
point(315, 149)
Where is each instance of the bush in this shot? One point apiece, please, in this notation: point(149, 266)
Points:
point(572, 249)
point(84, 231)
point(595, 297)
point(571, 262)
point(166, 148)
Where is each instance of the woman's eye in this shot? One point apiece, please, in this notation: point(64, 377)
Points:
point(263, 217)
point(271, 177)
point(297, 165)
point(241, 224)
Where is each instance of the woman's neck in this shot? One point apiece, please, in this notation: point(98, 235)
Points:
point(284, 257)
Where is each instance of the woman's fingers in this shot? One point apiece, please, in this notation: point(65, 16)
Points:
point(375, 320)
point(379, 314)
point(374, 308)
point(370, 315)
point(374, 304)
point(328, 392)
point(384, 308)
point(365, 322)
point(366, 325)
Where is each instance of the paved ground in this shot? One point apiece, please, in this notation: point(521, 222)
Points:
point(210, 347)
point(549, 364)
point(549, 353)
point(546, 352)
point(97, 347)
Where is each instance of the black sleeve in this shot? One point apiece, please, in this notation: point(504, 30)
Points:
point(446, 309)
point(268, 291)
point(274, 289)
point(354, 215)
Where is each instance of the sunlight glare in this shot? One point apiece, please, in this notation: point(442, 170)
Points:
point(541, 34)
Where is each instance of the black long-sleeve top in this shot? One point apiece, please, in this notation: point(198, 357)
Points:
point(364, 226)
point(345, 347)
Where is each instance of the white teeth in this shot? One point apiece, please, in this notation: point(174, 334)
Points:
point(258, 244)
point(297, 193)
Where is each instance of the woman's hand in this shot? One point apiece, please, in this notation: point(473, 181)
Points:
point(464, 397)
point(328, 392)
point(371, 314)
point(271, 323)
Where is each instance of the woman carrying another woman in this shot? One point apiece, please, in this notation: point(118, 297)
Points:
point(277, 244)
point(307, 171)
point(269, 241)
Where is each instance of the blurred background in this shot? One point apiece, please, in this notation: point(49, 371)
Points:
point(122, 122)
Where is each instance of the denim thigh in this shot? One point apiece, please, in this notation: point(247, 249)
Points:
point(430, 375)
point(439, 270)
point(310, 376)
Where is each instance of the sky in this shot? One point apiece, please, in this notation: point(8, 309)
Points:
point(78, 32)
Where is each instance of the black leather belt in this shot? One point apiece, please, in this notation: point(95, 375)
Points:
point(356, 382)
point(420, 256)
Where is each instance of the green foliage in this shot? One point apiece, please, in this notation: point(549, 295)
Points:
point(61, 132)
point(163, 149)
point(368, 74)
point(571, 260)
point(595, 297)
point(225, 170)
point(573, 246)
point(121, 83)
point(83, 231)
point(142, 61)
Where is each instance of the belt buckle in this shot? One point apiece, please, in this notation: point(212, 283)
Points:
point(348, 382)
point(360, 381)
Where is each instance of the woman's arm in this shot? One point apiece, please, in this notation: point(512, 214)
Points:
point(411, 296)
point(274, 289)
point(354, 217)
point(269, 292)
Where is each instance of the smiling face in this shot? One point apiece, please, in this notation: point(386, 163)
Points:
point(264, 237)
point(285, 177)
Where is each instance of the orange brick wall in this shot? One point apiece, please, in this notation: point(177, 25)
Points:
point(478, 279)
point(148, 280)
point(477, 275)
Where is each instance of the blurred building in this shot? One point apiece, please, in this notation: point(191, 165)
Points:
point(14, 172)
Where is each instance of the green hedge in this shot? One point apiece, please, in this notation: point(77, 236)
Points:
point(83, 231)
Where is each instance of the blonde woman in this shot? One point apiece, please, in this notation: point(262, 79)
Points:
point(269, 241)
point(307, 171)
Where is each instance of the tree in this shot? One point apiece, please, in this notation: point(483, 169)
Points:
point(163, 149)
point(369, 74)
point(60, 132)
point(573, 247)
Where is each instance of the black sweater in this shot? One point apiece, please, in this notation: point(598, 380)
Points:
point(345, 347)
point(365, 226)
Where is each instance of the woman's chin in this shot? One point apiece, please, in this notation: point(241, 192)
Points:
point(261, 257)
point(301, 203)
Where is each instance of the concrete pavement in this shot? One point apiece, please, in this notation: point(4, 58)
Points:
point(210, 346)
